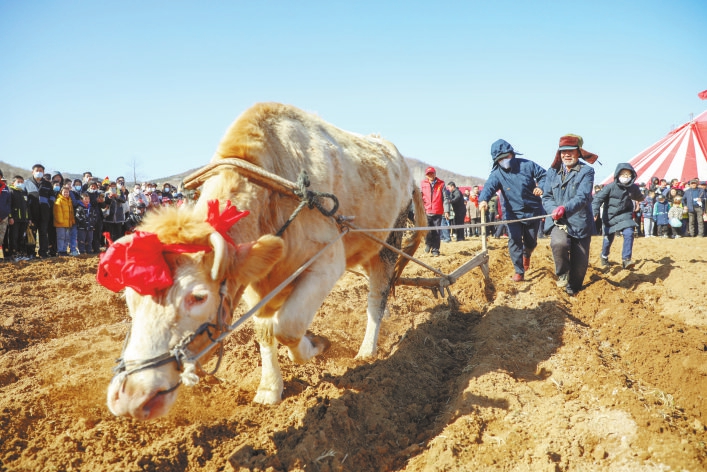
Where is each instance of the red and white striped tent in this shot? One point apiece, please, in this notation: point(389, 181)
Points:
point(682, 155)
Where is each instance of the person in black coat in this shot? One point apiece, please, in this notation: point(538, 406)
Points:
point(456, 200)
point(616, 200)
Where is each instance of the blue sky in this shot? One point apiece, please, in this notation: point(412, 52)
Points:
point(114, 86)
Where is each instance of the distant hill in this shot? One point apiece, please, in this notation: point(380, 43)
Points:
point(416, 166)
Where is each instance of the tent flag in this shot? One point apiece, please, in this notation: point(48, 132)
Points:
point(682, 155)
point(703, 95)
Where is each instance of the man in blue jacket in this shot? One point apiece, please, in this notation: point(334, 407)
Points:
point(567, 198)
point(694, 198)
point(520, 182)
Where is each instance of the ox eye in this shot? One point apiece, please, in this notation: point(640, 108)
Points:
point(196, 298)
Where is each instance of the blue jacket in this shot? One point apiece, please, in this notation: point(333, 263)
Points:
point(617, 200)
point(660, 213)
point(516, 185)
point(691, 198)
point(575, 194)
point(647, 207)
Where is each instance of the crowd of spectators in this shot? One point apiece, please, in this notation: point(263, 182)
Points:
point(45, 215)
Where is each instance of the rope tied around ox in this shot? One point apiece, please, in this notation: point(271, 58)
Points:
point(311, 199)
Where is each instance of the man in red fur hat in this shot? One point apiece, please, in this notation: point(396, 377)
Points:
point(567, 197)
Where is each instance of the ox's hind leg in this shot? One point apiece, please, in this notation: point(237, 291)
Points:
point(380, 281)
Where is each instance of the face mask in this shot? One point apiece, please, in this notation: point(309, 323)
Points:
point(505, 163)
point(38, 175)
point(92, 190)
point(77, 188)
point(166, 189)
point(57, 188)
point(20, 185)
point(120, 185)
point(624, 180)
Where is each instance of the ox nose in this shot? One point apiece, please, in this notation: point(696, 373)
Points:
point(127, 397)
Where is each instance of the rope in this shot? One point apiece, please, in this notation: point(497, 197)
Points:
point(311, 199)
point(431, 228)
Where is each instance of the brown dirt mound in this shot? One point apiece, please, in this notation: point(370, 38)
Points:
point(507, 377)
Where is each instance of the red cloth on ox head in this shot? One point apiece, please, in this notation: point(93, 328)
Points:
point(139, 263)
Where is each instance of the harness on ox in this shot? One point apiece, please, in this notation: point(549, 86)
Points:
point(139, 264)
point(146, 250)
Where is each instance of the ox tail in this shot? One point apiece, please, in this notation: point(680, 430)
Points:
point(418, 218)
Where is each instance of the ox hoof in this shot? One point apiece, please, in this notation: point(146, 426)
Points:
point(366, 356)
point(320, 343)
point(267, 397)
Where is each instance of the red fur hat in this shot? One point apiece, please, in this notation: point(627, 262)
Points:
point(572, 141)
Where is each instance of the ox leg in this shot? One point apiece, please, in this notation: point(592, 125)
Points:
point(293, 319)
point(271, 384)
point(289, 325)
point(380, 274)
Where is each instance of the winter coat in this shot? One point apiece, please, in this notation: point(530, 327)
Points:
point(115, 209)
point(676, 211)
point(617, 199)
point(86, 216)
point(5, 201)
point(472, 208)
point(456, 199)
point(433, 196)
point(660, 212)
point(694, 198)
point(20, 205)
point(63, 212)
point(516, 185)
point(574, 192)
point(647, 207)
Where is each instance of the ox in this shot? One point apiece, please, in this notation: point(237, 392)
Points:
point(201, 255)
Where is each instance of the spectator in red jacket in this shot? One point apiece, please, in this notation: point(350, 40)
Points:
point(433, 197)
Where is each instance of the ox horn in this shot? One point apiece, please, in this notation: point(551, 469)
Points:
point(220, 251)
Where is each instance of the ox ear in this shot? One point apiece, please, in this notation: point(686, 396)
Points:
point(257, 258)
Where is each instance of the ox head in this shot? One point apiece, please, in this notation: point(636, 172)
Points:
point(181, 273)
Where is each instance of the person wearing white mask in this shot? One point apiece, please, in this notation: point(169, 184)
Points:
point(136, 197)
point(41, 199)
point(567, 197)
point(520, 182)
point(615, 201)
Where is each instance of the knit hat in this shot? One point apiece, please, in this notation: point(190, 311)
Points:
point(569, 142)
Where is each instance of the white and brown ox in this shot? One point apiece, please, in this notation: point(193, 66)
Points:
point(372, 183)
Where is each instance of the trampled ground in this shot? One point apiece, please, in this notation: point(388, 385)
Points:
point(512, 377)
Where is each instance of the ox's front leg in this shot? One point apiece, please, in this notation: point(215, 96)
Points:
point(289, 325)
point(380, 272)
point(271, 385)
point(293, 319)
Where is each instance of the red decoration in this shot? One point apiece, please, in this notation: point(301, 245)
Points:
point(703, 95)
point(138, 262)
point(223, 222)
